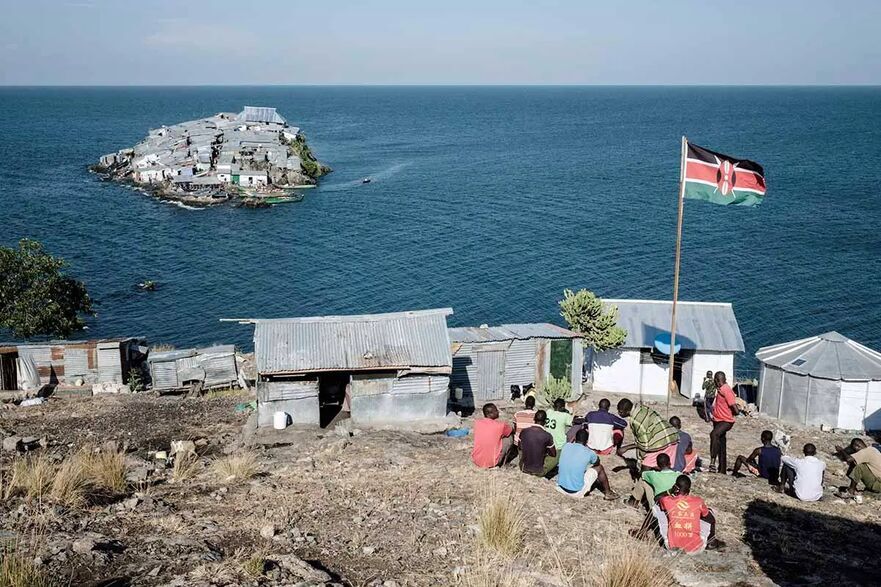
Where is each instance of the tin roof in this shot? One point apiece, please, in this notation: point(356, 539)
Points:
point(173, 355)
point(260, 114)
point(827, 356)
point(509, 332)
point(400, 340)
point(705, 326)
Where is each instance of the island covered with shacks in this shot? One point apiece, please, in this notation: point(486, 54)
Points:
point(253, 158)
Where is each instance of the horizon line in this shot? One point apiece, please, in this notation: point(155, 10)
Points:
point(446, 85)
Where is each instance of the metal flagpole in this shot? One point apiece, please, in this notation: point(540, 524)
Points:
point(672, 354)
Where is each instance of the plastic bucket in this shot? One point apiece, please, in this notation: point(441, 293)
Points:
point(280, 420)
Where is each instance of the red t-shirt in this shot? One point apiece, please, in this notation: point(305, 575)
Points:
point(488, 435)
point(722, 411)
point(684, 521)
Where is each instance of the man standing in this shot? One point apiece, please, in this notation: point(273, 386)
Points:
point(538, 455)
point(709, 387)
point(580, 470)
point(559, 421)
point(493, 440)
point(803, 478)
point(865, 466)
point(724, 411)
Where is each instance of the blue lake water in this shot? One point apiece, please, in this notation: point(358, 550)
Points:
point(488, 200)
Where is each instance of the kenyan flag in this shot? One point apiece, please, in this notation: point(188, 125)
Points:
point(722, 179)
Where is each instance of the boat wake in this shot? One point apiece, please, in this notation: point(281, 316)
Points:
point(373, 177)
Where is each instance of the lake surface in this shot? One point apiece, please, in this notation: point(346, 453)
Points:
point(488, 200)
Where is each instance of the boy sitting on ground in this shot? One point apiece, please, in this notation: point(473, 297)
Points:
point(865, 466)
point(493, 440)
point(802, 478)
point(684, 521)
point(605, 429)
point(653, 484)
point(538, 453)
point(559, 421)
point(686, 458)
point(524, 419)
point(580, 470)
point(764, 461)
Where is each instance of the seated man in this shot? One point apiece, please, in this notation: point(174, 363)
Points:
point(605, 430)
point(580, 470)
point(802, 478)
point(524, 419)
point(493, 440)
point(559, 421)
point(653, 484)
point(865, 466)
point(538, 455)
point(653, 435)
point(686, 458)
point(684, 520)
point(762, 462)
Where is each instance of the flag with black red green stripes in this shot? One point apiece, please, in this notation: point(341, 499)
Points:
point(722, 179)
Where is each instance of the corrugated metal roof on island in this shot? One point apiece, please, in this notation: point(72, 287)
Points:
point(510, 332)
point(261, 114)
point(827, 356)
point(399, 340)
point(705, 326)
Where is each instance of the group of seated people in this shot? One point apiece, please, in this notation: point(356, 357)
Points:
point(555, 443)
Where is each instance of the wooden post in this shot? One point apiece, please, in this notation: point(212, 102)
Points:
point(672, 356)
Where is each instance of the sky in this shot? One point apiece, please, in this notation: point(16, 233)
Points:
point(226, 42)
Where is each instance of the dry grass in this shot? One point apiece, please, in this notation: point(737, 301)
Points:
point(18, 570)
point(486, 571)
point(72, 481)
point(31, 477)
point(240, 467)
point(186, 467)
point(628, 562)
point(227, 392)
point(106, 469)
point(255, 565)
point(170, 524)
point(502, 524)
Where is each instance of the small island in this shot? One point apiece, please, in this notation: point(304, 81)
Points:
point(253, 158)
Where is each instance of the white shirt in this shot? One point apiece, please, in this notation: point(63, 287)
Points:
point(600, 436)
point(808, 483)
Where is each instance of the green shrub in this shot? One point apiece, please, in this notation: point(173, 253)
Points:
point(554, 389)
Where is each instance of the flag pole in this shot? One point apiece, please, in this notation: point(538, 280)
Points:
point(672, 354)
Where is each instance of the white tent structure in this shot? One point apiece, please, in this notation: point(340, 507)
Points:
point(826, 379)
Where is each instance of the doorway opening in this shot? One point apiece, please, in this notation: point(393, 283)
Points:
point(333, 397)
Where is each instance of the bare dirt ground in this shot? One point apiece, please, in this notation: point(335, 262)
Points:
point(360, 507)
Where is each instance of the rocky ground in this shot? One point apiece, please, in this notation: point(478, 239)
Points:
point(359, 507)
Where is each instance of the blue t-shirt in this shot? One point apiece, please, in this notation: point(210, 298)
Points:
point(769, 461)
point(574, 461)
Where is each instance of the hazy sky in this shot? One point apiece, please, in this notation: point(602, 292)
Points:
point(442, 42)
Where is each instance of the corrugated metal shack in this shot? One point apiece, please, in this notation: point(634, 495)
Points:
point(63, 362)
point(489, 360)
point(179, 369)
point(382, 368)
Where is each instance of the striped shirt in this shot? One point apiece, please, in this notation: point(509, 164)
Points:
point(651, 431)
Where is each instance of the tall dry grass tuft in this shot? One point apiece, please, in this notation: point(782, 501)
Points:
point(186, 467)
point(18, 570)
point(487, 571)
point(31, 477)
point(239, 466)
point(106, 469)
point(502, 524)
point(72, 481)
point(628, 562)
